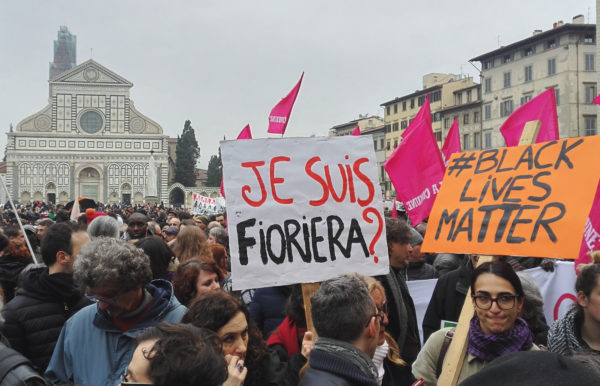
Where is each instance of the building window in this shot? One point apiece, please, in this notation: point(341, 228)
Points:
point(387, 145)
point(551, 44)
point(525, 99)
point(590, 124)
point(507, 58)
point(551, 67)
point(438, 136)
point(488, 139)
point(404, 124)
point(466, 142)
point(91, 121)
point(507, 79)
point(395, 126)
point(458, 98)
point(436, 96)
point(476, 117)
point(590, 92)
point(395, 143)
point(388, 128)
point(387, 110)
point(488, 64)
point(422, 99)
point(465, 119)
point(588, 38)
point(375, 144)
point(446, 123)
point(381, 143)
point(589, 62)
point(395, 108)
point(477, 139)
point(557, 96)
point(412, 103)
point(506, 108)
point(487, 112)
point(469, 96)
point(404, 106)
point(529, 51)
point(437, 117)
point(528, 73)
point(487, 88)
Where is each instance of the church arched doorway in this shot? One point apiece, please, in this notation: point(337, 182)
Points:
point(89, 183)
point(176, 197)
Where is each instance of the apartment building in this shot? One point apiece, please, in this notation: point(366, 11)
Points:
point(467, 110)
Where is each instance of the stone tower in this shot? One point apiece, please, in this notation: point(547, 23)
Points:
point(65, 52)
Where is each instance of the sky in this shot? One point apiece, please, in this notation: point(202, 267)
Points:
point(225, 64)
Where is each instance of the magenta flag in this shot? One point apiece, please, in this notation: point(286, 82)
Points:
point(591, 233)
point(452, 142)
point(394, 211)
point(541, 108)
point(597, 100)
point(280, 115)
point(244, 134)
point(416, 169)
point(356, 131)
point(423, 114)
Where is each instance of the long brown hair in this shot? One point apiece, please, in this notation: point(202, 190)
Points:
point(191, 243)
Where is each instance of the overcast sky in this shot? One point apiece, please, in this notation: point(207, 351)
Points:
point(223, 64)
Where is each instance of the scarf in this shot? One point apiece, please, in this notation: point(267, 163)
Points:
point(287, 335)
point(378, 359)
point(489, 347)
point(348, 353)
point(562, 336)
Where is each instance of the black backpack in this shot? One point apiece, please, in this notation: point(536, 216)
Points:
point(16, 370)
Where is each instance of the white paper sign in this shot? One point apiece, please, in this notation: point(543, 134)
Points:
point(303, 210)
point(207, 205)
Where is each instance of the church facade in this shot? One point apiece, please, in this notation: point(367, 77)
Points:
point(89, 141)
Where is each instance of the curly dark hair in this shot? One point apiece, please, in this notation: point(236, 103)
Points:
point(215, 309)
point(186, 277)
point(184, 355)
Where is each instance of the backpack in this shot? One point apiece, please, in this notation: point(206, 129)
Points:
point(443, 351)
point(15, 369)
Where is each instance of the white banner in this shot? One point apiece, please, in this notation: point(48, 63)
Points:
point(303, 210)
point(207, 205)
point(557, 288)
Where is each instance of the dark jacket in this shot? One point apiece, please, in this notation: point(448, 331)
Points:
point(328, 370)
point(402, 316)
point(267, 308)
point(10, 269)
point(34, 318)
point(396, 375)
point(447, 299)
point(272, 372)
point(420, 271)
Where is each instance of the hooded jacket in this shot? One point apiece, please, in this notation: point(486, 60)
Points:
point(34, 318)
point(91, 350)
point(10, 269)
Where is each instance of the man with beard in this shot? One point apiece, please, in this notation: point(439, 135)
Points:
point(96, 344)
point(47, 298)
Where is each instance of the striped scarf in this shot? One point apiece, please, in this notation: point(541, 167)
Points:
point(562, 336)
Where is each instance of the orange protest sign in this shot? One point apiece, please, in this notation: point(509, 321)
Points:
point(527, 201)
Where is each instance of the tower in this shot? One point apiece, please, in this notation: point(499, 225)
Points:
point(65, 52)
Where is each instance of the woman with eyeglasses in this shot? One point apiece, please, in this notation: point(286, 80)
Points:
point(391, 368)
point(496, 328)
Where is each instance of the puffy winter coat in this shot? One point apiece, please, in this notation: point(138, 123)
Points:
point(10, 269)
point(34, 318)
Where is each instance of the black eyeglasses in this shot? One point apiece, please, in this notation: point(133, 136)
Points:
point(380, 315)
point(504, 301)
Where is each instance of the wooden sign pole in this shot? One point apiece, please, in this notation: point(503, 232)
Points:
point(308, 290)
point(458, 348)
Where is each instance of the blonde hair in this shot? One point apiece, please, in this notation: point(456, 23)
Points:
point(394, 350)
point(594, 259)
point(191, 243)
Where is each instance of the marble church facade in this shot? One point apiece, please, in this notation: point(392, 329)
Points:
point(89, 141)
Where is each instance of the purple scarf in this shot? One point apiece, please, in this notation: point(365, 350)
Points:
point(489, 347)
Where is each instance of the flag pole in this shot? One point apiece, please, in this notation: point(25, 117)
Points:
point(18, 220)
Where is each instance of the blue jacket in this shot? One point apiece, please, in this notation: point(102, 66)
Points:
point(92, 351)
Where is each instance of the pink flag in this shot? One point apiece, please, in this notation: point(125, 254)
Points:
point(423, 114)
point(597, 100)
point(394, 210)
point(244, 134)
point(356, 131)
point(591, 233)
point(280, 115)
point(452, 142)
point(541, 108)
point(416, 169)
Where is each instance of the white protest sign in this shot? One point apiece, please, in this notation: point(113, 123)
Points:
point(206, 205)
point(303, 210)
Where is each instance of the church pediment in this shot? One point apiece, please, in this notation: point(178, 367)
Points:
point(90, 72)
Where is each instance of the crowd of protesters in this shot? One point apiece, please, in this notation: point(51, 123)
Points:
point(142, 295)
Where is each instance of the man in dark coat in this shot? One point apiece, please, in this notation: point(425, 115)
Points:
point(448, 297)
point(47, 298)
point(402, 315)
point(347, 322)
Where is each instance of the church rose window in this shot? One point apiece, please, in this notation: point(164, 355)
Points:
point(91, 121)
